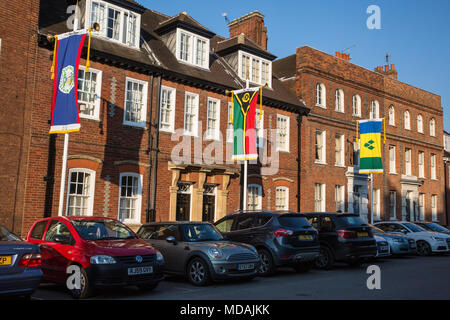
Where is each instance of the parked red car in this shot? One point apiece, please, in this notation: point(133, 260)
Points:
point(107, 252)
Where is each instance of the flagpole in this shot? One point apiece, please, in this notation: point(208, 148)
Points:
point(245, 169)
point(371, 198)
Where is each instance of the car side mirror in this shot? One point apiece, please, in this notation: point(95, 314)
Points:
point(62, 240)
point(171, 240)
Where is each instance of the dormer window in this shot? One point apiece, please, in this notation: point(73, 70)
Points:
point(255, 69)
point(192, 49)
point(116, 23)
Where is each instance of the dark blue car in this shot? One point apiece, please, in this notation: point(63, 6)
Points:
point(20, 265)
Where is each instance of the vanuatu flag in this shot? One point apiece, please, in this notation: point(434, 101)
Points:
point(370, 146)
point(67, 54)
point(243, 118)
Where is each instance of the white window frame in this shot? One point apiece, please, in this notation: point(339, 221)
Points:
point(408, 167)
point(393, 204)
point(137, 218)
point(97, 94)
point(420, 123)
point(258, 188)
point(433, 127)
point(171, 125)
point(434, 204)
point(433, 167)
point(339, 100)
point(286, 200)
point(356, 104)
point(339, 191)
point(193, 48)
point(216, 133)
point(421, 158)
point(322, 187)
point(194, 131)
point(250, 75)
point(90, 206)
point(391, 115)
point(286, 145)
point(407, 120)
point(321, 95)
point(143, 121)
point(422, 206)
point(340, 161)
point(323, 136)
point(374, 105)
point(103, 24)
point(260, 131)
point(229, 124)
point(392, 162)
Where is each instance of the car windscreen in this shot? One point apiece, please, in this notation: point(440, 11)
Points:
point(349, 221)
point(377, 230)
point(200, 232)
point(102, 229)
point(293, 221)
point(6, 235)
point(434, 227)
point(414, 227)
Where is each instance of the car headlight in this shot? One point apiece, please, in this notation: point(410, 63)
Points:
point(159, 257)
point(398, 240)
point(437, 238)
point(215, 253)
point(101, 259)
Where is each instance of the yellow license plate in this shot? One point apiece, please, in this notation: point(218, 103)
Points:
point(305, 237)
point(5, 260)
point(363, 234)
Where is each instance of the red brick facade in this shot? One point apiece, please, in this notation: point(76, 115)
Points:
point(313, 67)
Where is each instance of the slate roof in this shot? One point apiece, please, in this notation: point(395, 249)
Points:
point(154, 56)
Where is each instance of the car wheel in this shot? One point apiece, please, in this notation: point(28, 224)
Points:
point(85, 290)
point(197, 272)
point(304, 267)
point(148, 287)
point(423, 248)
point(325, 260)
point(267, 266)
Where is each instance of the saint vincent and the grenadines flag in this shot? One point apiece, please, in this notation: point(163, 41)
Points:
point(243, 117)
point(66, 60)
point(370, 146)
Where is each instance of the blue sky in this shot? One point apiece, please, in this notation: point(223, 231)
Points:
point(415, 33)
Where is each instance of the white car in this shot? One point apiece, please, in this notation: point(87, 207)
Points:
point(427, 242)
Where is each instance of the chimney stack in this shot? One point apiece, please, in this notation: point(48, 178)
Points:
point(252, 25)
point(343, 56)
point(388, 71)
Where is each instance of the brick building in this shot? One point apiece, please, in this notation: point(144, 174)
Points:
point(339, 93)
point(447, 176)
point(154, 80)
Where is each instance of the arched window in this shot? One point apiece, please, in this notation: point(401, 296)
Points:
point(391, 116)
point(432, 127)
point(339, 100)
point(419, 124)
point(374, 110)
point(356, 105)
point(321, 95)
point(407, 124)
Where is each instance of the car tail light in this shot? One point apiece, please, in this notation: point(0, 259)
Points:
point(30, 260)
point(346, 234)
point(283, 233)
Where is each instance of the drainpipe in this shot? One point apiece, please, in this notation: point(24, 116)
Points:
point(299, 154)
point(155, 152)
point(149, 150)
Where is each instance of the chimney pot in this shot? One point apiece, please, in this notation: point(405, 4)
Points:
point(392, 67)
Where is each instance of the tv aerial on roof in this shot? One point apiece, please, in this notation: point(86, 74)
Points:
point(225, 15)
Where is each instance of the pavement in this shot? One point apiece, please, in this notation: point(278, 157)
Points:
point(401, 278)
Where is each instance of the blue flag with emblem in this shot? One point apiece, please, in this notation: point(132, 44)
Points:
point(370, 146)
point(65, 117)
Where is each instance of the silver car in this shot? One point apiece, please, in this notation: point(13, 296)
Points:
point(198, 251)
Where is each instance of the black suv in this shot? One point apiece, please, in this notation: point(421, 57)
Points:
point(343, 237)
point(281, 238)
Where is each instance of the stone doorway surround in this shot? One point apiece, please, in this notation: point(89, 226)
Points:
point(410, 184)
point(361, 180)
point(222, 177)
